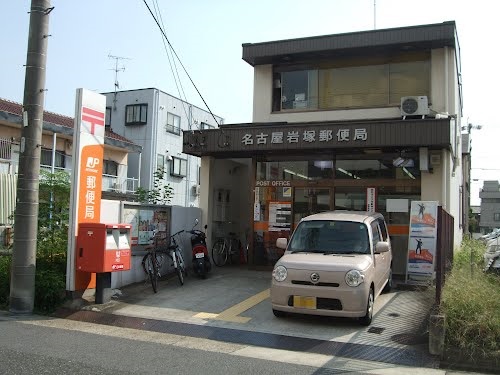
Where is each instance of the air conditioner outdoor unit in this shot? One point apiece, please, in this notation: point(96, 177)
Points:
point(414, 106)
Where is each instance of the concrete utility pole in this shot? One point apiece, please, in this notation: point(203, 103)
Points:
point(22, 286)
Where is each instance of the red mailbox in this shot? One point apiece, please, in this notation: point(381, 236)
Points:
point(103, 247)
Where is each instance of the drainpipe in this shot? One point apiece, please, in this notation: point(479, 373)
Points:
point(188, 167)
point(52, 170)
point(139, 172)
point(53, 161)
point(446, 168)
point(154, 140)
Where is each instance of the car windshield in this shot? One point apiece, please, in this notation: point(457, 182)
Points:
point(330, 237)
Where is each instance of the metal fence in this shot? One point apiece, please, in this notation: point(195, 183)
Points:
point(444, 249)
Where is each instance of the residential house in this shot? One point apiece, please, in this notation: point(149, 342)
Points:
point(56, 154)
point(366, 120)
point(490, 206)
point(156, 121)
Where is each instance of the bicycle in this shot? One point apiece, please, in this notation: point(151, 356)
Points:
point(152, 262)
point(153, 259)
point(175, 253)
point(224, 248)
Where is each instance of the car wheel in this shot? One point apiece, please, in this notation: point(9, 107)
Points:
point(278, 314)
point(388, 285)
point(367, 319)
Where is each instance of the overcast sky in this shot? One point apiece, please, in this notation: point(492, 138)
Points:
point(207, 36)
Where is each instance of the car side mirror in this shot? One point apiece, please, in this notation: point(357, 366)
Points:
point(382, 247)
point(281, 243)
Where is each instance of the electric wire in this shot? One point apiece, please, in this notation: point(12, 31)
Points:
point(175, 72)
point(180, 62)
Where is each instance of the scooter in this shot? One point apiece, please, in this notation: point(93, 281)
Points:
point(201, 259)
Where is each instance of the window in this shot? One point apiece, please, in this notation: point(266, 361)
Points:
point(204, 125)
point(496, 217)
point(383, 229)
point(110, 167)
point(376, 234)
point(5, 148)
point(46, 158)
point(345, 84)
point(136, 114)
point(173, 124)
point(107, 121)
point(299, 89)
point(160, 161)
point(178, 167)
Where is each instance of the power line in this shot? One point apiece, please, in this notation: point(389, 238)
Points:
point(175, 53)
point(175, 72)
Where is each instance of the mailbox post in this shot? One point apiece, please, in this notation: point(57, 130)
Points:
point(103, 248)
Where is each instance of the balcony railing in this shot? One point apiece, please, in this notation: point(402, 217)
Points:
point(109, 182)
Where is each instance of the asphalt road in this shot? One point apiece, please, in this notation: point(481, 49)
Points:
point(43, 345)
point(32, 349)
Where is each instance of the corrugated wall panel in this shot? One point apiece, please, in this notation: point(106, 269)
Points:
point(7, 197)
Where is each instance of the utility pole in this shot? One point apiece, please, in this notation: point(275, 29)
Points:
point(22, 286)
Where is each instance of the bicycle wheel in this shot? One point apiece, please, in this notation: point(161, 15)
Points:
point(151, 268)
point(180, 267)
point(219, 253)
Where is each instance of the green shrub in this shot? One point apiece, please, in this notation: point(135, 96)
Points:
point(471, 303)
point(52, 242)
point(470, 254)
point(4, 281)
point(50, 285)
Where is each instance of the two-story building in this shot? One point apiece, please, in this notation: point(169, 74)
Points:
point(361, 121)
point(490, 206)
point(156, 120)
point(56, 154)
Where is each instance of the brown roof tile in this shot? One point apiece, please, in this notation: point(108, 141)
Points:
point(54, 118)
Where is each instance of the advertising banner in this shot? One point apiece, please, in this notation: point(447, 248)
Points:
point(86, 177)
point(422, 239)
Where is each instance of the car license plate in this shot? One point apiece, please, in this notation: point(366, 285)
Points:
point(304, 302)
point(199, 255)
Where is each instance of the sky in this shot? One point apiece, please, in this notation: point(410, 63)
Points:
point(207, 36)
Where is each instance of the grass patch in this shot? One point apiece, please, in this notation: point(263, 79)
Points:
point(471, 303)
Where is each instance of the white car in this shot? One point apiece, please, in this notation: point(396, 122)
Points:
point(335, 264)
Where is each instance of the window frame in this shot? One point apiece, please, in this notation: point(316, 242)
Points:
point(107, 117)
point(496, 216)
point(178, 167)
point(206, 126)
point(171, 128)
point(60, 159)
point(143, 110)
point(109, 164)
point(394, 70)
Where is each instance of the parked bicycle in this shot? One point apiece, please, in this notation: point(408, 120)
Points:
point(153, 260)
point(176, 254)
point(226, 248)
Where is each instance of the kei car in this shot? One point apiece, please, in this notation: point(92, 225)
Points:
point(335, 264)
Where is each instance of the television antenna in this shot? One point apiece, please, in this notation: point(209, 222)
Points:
point(117, 69)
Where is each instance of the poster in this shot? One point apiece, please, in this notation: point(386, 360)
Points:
point(422, 239)
point(280, 216)
point(131, 216)
point(371, 199)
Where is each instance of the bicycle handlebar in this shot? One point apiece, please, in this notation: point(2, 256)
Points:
point(175, 234)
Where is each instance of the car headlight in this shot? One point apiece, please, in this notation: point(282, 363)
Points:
point(354, 278)
point(280, 273)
